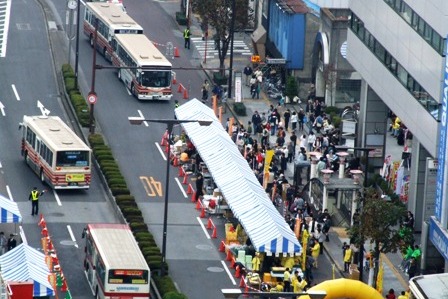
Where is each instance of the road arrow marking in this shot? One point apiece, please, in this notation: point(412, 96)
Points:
point(44, 111)
point(72, 236)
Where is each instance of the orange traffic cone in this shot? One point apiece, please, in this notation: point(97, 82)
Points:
point(163, 142)
point(214, 234)
point(64, 287)
point(193, 196)
point(222, 246)
point(237, 272)
point(176, 52)
point(246, 291)
point(175, 161)
point(185, 94)
point(181, 171)
point(45, 232)
point(185, 181)
point(242, 282)
point(42, 222)
point(198, 205)
point(232, 262)
point(229, 255)
point(179, 89)
point(167, 148)
point(209, 223)
point(189, 189)
point(174, 81)
point(202, 213)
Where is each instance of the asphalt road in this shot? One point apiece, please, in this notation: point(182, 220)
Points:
point(195, 263)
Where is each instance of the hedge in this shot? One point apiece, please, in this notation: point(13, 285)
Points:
point(174, 295)
point(239, 108)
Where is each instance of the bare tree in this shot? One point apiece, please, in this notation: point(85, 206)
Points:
point(218, 15)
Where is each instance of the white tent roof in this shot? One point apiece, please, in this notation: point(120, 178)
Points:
point(247, 199)
point(9, 211)
point(24, 263)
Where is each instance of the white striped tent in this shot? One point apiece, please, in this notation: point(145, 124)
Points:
point(24, 263)
point(9, 211)
point(247, 199)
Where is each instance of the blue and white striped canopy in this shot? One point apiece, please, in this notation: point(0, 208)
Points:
point(24, 263)
point(247, 199)
point(9, 211)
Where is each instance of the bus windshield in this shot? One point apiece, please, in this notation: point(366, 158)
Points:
point(128, 276)
point(156, 78)
point(72, 158)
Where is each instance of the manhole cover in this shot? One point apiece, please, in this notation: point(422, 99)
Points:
point(215, 269)
point(57, 214)
point(68, 243)
point(204, 247)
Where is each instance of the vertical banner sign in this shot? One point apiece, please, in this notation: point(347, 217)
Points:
point(442, 167)
point(238, 89)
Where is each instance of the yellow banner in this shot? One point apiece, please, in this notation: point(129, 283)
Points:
point(268, 160)
point(74, 177)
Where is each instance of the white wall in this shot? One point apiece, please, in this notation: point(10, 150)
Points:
point(396, 97)
point(408, 47)
point(435, 13)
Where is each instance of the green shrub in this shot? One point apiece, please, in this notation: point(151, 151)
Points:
point(66, 67)
point(109, 164)
point(239, 108)
point(148, 247)
point(336, 120)
point(332, 110)
point(84, 120)
point(77, 100)
point(291, 87)
point(137, 227)
point(111, 170)
point(69, 84)
point(105, 157)
point(174, 295)
point(143, 236)
point(135, 218)
point(129, 204)
point(131, 212)
point(117, 179)
point(120, 191)
point(220, 79)
point(96, 139)
point(181, 18)
point(124, 198)
point(104, 151)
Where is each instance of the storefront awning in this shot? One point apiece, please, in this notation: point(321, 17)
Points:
point(259, 35)
point(9, 211)
point(24, 263)
point(247, 199)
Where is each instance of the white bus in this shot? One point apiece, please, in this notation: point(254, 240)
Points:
point(111, 20)
point(114, 264)
point(150, 75)
point(429, 286)
point(55, 153)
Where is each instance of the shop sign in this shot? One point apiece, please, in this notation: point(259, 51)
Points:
point(438, 237)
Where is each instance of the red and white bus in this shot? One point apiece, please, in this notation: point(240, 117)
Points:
point(114, 264)
point(111, 20)
point(55, 153)
point(149, 77)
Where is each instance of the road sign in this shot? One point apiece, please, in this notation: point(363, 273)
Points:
point(91, 97)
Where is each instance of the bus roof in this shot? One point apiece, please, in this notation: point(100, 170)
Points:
point(432, 286)
point(112, 15)
point(117, 246)
point(142, 50)
point(55, 133)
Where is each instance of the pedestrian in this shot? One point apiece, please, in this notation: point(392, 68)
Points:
point(390, 294)
point(412, 269)
point(176, 105)
point(294, 120)
point(204, 89)
point(309, 269)
point(258, 89)
point(187, 35)
point(311, 140)
point(287, 280)
point(199, 187)
point(249, 128)
point(283, 162)
point(290, 152)
point(315, 252)
point(347, 258)
point(3, 243)
point(11, 242)
point(248, 73)
point(256, 122)
point(403, 295)
point(301, 117)
point(293, 139)
point(34, 197)
point(286, 117)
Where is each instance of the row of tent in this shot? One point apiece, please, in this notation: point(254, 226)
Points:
point(250, 204)
point(23, 263)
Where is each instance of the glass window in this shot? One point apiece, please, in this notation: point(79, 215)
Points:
point(415, 20)
point(436, 40)
point(379, 51)
point(428, 33)
point(406, 12)
point(421, 26)
point(128, 276)
point(402, 75)
point(72, 159)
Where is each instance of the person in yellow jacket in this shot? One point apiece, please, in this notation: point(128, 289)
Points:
point(315, 251)
point(299, 285)
point(278, 288)
point(347, 258)
point(256, 263)
point(396, 126)
point(403, 295)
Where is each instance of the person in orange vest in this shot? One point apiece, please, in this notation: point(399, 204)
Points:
point(34, 197)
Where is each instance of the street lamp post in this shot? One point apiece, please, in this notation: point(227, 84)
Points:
point(170, 124)
point(232, 35)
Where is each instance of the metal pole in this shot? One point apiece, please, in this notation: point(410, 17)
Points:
point(165, 212)
point(70, 31)
point(232, 29)
point(92, 86)
point(77, 44)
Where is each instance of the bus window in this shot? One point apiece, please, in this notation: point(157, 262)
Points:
point(72, 158)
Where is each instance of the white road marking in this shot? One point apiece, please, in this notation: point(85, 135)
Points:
point(141, 115)
point(15, 92)
point(2, 108)
point(161, 151)
point(72, 235)
point(180, 187)
point(203, 228)
point(91, 288)
point(83, 3)
point(56, 196)
point(1, 166)
point(228, 273)
point(9, 193)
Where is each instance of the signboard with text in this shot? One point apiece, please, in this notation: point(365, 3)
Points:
point(438, 237)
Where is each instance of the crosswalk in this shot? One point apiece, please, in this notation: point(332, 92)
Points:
point(5, 9)
point(208, 47)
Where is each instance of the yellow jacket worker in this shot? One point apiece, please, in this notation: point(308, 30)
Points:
point(34, 197)
point(347, 258)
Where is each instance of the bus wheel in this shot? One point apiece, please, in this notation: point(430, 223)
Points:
point(42, 176)
point(25, 156)
point(96, 293)
point(91, 40)
point(133, 90)
point(105, 53)
point(119, 74)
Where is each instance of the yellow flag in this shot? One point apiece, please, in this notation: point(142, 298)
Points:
point(379, 279)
